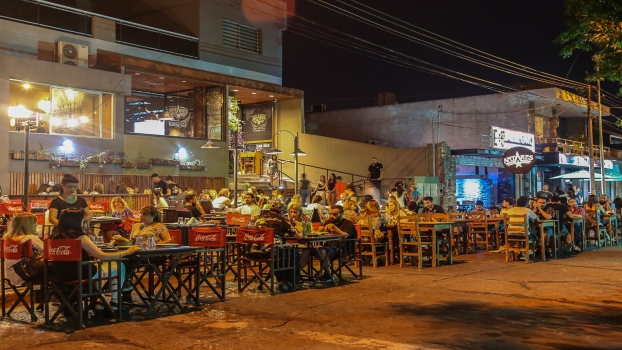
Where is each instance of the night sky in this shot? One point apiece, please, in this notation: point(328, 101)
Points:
point(520, 31)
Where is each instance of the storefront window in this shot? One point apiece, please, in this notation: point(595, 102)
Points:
point(60, 110)
point(196, 113)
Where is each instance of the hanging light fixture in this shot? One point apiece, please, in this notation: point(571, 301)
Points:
point(210, 144)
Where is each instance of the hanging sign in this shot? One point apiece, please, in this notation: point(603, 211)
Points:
point(519, 160)
point(502, 138)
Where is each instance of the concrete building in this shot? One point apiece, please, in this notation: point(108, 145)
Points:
point(553, 117)
point(145, 79)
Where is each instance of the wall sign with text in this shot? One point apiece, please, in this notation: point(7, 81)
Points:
point(519, 160)
point(502, 138)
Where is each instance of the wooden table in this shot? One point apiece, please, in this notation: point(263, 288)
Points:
point(542, 224)
point(327, 242)
point(573, 221)
point(433, 227)
point(490, 221)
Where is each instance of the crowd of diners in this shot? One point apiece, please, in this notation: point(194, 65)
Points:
point(338, 214)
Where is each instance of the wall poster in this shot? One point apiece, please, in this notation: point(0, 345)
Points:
point(257, 120)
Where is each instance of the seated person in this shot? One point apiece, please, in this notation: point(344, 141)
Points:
point(121, 211)
point(430, 207)
point(338, 225)
point(222, 201)
point(23, 229)
point(70, 226)
point(151, 226)
point(249, 207)
point(532, 219)
point(283, 229)
point(578, 212)
point(191, 206)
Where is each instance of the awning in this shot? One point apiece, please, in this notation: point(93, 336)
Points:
point(585, 175)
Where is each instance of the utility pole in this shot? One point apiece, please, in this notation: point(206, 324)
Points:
point(603, 189)
point(590, 138)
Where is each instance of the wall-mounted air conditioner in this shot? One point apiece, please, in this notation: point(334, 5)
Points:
point(72, 54)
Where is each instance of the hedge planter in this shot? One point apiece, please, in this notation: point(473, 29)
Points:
point(136, 165)
point(191, 167)
point(164, 162)
point(64, 163)
point(31, 156)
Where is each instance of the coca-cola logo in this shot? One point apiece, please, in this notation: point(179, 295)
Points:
point(10, 249)
point(256, 237)
point(16, 209)
point(206, 238)
point(60, 250)
point(240, 219)
point(97, 206)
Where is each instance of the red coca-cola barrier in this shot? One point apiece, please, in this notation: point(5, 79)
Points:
point(40, 219)
point(175, 236)
point(99, 206)
point(10, 209)
point(12, 250)
point(207, 237)
point(63, 249)
point(254, 235)
point(39, 204)
point(234, 219)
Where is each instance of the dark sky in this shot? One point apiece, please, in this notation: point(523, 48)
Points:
point(522, 31)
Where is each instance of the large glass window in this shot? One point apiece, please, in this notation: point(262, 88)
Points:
point(60, 110)
point(195, 113)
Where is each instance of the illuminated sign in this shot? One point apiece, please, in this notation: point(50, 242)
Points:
point(505, 139)
point(519, 160)
point(582, 161)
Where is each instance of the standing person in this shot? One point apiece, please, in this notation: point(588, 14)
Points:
point(158, 183)
point(331, 191)
point(545, 192)
point(172, 189)
point(374, 175)
point(320, 189)
point(273, 170)
point(340, 186)
point(68, 199)
point(303, 188)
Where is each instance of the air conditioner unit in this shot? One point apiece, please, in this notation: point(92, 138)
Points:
point(72, 54)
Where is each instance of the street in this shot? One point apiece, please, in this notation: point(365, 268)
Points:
point(481, 302)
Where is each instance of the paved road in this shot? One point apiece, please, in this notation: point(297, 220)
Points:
point(481, 302)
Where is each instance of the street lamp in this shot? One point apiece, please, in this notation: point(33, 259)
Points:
point(297, 152)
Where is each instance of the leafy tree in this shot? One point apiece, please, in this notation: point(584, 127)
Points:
point(595, 26)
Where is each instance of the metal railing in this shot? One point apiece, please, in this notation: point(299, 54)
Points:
point(68, 19)
point(572, 147)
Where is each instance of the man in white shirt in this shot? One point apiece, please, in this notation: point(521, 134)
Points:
point(342, 198)
point(249, 207)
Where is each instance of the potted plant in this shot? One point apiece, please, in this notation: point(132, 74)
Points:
point(192, 165)
point(165, 161)
point(135, 163)
point(16, 155)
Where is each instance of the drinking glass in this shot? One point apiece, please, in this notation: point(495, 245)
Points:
point(140, 241)
point(151, 243)
point(180, 221)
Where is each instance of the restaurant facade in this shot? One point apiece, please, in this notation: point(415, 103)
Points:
point(103, 95)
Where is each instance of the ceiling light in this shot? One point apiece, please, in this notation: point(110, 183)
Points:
point(161, 77)
point(183, 81)
point(84, 119)
point(136, 73)
point(72, 123)
point(271, 95)
point(209, 144)
point(45, 105)
point(234, 90)
point(26, 86)
point(254, 93)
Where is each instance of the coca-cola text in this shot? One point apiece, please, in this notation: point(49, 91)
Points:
point(206, 238)
point(60, 250)
point(10, 249)
point(255, 238)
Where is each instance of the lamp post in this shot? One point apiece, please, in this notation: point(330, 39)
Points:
point(297, 152)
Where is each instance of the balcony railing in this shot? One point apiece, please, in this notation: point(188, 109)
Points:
point(68, 19)
point(572, 147)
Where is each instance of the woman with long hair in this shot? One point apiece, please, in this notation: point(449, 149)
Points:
point(372, 209)
point(273, 170)
point(159, 201)
point(71, 225)
point(98, 188)
point(23, 229)
point(350, 209)
point(222, 201)
point(320, 189)
point(120, 210)
point(68, 199)
point(331, 191)
point(151, 226)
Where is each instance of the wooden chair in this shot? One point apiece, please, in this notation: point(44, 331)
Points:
point(478, 230)
point(411, 244)
point(517, 237)
point(371, 248)
point(592, 225)
point(170, 216)
point(460, 233)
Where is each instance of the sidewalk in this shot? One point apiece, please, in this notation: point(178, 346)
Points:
point(481, 302)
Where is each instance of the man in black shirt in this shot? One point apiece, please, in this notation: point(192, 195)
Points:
point(374, 172)
point(338, 225)
point(564, 211)
point(430, 207)
point(158, 183)
point(191, 205)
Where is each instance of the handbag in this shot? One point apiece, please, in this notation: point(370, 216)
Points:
point(29, 269)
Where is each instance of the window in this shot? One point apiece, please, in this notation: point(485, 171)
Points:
point(195, 113)
point(60, 110)
point(241, 37)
